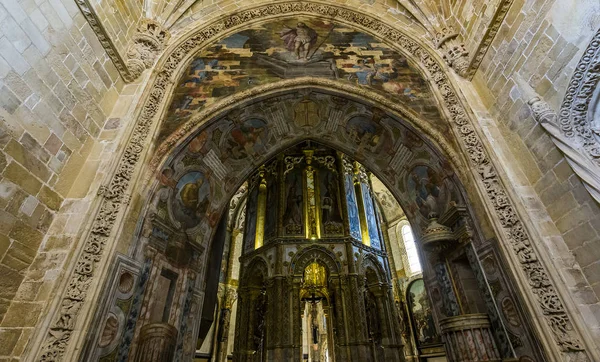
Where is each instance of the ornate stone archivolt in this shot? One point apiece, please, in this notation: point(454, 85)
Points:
point(62, 325)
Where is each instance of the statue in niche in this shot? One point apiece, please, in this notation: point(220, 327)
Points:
point(300, 40)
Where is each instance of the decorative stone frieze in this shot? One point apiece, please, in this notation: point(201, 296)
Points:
point(572, 147)
point(453, 51)
point(146, 44)
point(542, 288)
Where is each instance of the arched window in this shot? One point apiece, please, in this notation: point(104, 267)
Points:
point(411, 250)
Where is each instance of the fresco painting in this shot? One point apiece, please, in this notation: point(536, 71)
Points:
point(420, 313)
point(292, 48)
point(248, 138)
point(191, 199)
point(428, 190)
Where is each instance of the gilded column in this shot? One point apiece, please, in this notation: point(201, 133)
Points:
point(261, 208)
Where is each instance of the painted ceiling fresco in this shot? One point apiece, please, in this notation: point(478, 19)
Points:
point(295, 48)
point(207, 169)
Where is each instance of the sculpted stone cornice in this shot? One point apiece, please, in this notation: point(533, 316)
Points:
point(550, 306)
point(574, 118)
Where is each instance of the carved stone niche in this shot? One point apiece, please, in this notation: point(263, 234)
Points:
point(438, 237)
point(146, 44)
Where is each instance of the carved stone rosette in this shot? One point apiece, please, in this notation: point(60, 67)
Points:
point(146, 44)
point(453, 51)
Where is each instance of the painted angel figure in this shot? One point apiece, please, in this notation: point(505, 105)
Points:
point(299, 40)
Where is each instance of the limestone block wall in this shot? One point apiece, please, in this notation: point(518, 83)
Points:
point(57, 134)
point(539, 43)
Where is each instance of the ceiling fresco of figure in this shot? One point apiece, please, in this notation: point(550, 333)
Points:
point(292, 48)
point(219, 156)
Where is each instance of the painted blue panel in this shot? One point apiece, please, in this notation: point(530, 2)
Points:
point(371, 217)
point(352, 208)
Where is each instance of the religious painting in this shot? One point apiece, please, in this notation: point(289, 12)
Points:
point(293, 213)
point(428, 190)
point(251, 213)
point(271, 209)
point(364, 132)
point(331, 215)
point(296, 47)
point(353, 217)
point(371, 217)
point(248, 138)
point(191, 199)
point(420, 313)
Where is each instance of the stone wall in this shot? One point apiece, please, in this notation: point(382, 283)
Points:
point(57, 91)
point(539, 43)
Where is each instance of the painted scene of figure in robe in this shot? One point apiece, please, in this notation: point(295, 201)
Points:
point(420, 313)
point(191, 199)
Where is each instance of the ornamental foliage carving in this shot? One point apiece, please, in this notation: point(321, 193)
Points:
point(551, 307)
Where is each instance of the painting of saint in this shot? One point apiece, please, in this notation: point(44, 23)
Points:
point(420, 312)
point(371, 217)
point(364, 131)
point(247, 139)
point(271, 210)
point(191, 199)
point(330, 209)
point(300, 40)
point(292, 216)
point(352, 208)
point(427, 190)
point(250, 229)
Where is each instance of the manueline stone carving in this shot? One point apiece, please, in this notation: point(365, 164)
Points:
point(146, 44)
point(453, 51)
point(572, 147)
point(552, 309)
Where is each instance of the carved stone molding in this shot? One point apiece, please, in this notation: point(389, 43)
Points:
point(453, 51)
point(550, 306)
point(146, 44)
point(489, 36)
point(574, 119)
point(92, 18)
point(572, 147)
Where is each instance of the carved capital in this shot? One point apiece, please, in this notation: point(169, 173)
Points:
point(146, 44)
point(453, 51)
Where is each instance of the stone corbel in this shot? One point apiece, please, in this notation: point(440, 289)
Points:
point(572, 148)
point(146, 44)
point(447, 41)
